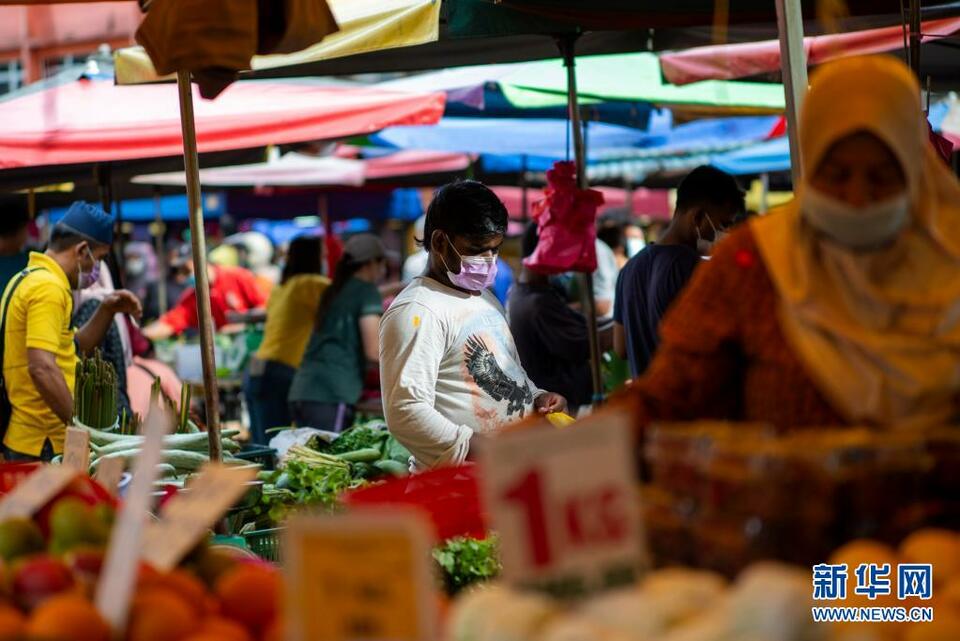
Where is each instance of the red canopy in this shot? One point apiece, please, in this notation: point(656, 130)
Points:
point(96, 121)
point(728, 62)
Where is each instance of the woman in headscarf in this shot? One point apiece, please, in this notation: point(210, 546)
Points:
point(142, 276)
point(116, 346)
point(843, 307)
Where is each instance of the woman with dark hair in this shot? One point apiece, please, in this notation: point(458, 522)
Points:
point(344, 341)
point(290, 312)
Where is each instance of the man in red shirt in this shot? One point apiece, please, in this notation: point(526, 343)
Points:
point(232, 289)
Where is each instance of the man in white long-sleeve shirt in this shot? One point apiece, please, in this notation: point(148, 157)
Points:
point(449, 368)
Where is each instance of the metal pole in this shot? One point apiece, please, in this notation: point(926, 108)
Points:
point(793, 61)
point(524, 202)
point(567, 49)
point(915, 37)
point(211, 393)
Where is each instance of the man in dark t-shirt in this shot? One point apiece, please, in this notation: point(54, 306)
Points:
point(708, 202)
point(551, 337)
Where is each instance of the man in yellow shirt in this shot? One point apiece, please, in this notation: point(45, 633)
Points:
point(40, 344)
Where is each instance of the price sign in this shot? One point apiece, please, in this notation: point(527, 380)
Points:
point(35, 491)
point(363, 576)
point(76, 449)
point(115, 588)
point(188, 517)
point(565, 504)
point(109, 472)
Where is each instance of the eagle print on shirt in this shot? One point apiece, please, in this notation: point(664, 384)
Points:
point(486, 372)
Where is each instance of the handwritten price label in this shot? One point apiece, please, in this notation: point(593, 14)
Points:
point(76, 449)
point(565, 504)
point(362, 576)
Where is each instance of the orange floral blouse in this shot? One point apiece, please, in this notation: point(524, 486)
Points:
point(722, 353)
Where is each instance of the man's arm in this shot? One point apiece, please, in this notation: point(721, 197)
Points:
point(370, 337)
point(49, 381)
point(177, 320)
point(91, 334)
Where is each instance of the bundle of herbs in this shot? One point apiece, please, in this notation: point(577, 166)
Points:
point(95, 393)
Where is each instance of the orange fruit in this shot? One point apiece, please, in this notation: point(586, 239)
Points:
point(158, 614)
point(184, 585)
point(250, 594)
point(274, 630)
point(224, 628)
point(936, 546)
point(67, 617)
point(12, 623)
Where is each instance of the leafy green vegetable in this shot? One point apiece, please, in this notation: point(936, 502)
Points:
point(360, 437)
point(465, 561)
point(308, 479)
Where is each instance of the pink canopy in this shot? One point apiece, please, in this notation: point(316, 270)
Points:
point(96, 121)
point(653, 203)
point(727, 62)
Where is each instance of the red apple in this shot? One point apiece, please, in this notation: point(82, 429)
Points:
point(38, 578)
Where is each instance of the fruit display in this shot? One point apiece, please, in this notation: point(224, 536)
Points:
point(768, 601)
point(722, 496)
point(51, 567)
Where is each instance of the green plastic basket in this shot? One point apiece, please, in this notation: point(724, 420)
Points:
point(265, 543)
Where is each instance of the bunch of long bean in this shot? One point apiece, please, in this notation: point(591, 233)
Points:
point(95, 393)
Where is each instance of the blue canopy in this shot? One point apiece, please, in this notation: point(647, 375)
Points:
point(393, 204)
point(506, 136)
point(774, 155)
point(765, 157)
point(172, 209)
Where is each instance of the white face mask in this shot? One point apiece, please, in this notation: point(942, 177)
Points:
point(634, 246)
point(705, 246)
point(873, 225)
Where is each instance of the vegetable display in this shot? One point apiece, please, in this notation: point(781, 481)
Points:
point(465, 561)
point(95, 393)
point(316, 474)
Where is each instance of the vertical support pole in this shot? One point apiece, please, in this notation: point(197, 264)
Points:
point(590, 302)
point(211, 393)
point(764, 193)
point(524, 187)
point(793, 61)
point(915, 37)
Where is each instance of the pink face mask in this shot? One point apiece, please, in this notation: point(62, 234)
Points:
point(477, 273)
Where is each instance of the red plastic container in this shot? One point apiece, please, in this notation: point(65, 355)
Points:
point(449, 496)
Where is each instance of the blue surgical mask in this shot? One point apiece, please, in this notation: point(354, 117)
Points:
point(191, 281)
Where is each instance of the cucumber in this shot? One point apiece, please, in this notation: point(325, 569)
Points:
point(392, 467)
point(180, 459)
point(366, 455)
point(197, 442)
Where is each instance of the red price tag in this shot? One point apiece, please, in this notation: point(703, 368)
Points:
point(565, 504)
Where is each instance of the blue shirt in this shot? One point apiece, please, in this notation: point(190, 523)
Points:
point(646, 287)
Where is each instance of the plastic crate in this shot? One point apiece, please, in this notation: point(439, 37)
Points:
point(450, 496)
point(265, 456)
point(265, 543)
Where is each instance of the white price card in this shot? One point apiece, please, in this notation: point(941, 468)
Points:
point(35, 491)
point(361, 576)
point(192, 512)
point(76, 449)
point(565, 504)
point(115, 587)
point(109, 472)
